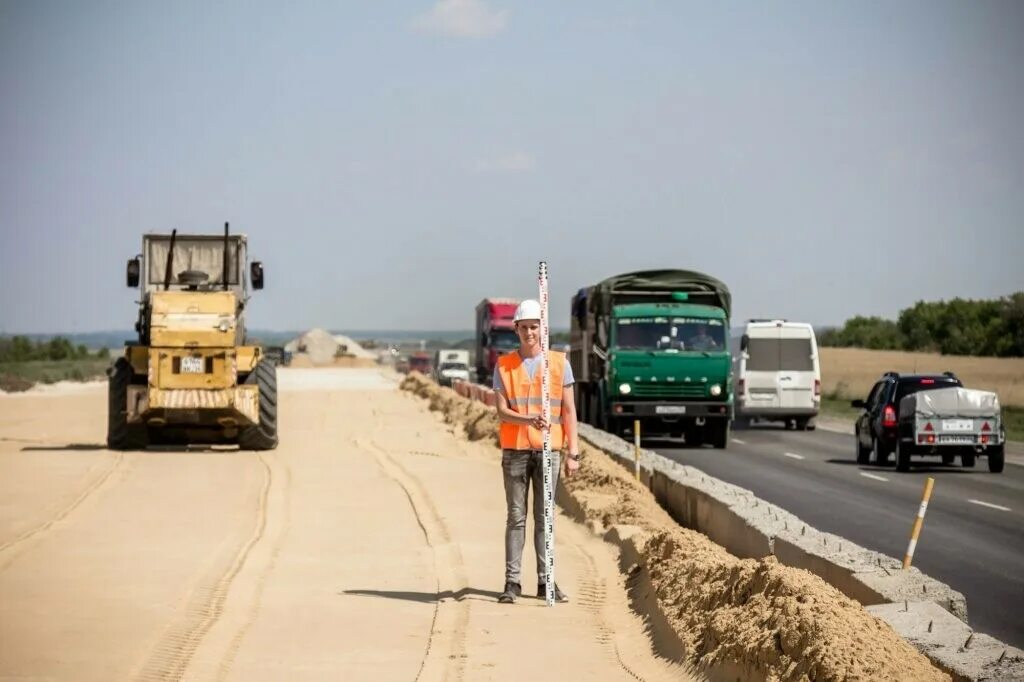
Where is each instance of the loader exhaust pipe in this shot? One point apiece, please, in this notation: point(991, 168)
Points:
point(170, 261)
point(225, 266)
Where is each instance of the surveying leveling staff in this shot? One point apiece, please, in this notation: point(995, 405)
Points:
point(517, 383)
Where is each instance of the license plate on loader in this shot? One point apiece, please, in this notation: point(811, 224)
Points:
point(193, 366)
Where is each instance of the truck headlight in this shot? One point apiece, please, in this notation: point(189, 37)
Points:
point(624, 389)
point(716, 390)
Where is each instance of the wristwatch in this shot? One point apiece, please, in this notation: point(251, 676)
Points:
point(575, 457)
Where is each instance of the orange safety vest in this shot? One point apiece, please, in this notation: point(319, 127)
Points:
point(525, 397)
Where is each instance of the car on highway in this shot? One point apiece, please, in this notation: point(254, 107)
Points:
point(876, 430)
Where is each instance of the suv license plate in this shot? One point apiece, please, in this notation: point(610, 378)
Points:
point(958, 425)
point(193, 366)
point(670, 409)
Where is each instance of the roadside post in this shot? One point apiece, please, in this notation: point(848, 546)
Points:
point(918, 522)
point(549, 489)
point(636, 448)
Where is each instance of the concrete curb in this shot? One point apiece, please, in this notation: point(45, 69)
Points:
point(749, 527)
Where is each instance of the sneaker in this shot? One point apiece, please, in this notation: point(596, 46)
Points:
point(560, 597)
point(512, 592)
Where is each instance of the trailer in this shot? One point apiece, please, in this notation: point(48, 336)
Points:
point(950, 423)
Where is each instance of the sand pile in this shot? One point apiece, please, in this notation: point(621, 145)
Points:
point(316, 344)
point(350, 347)
point(752, 619)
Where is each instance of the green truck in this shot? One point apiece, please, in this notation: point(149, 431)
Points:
point(653, 346)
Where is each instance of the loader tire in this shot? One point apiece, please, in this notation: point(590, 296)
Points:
point(262, 436)
point(120, 434)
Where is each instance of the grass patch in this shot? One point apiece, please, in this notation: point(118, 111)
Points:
point(1013, 416)
point(21, 376)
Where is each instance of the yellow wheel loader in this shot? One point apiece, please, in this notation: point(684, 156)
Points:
point(190, 378)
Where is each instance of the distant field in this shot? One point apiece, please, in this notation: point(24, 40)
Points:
point(20, 376)
point(851, 372)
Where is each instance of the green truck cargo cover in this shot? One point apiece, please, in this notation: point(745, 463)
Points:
point(648, 285)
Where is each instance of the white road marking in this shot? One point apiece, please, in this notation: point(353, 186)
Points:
point(873, 477)
point(793, 455)
point(737, 440)
point(990, 505)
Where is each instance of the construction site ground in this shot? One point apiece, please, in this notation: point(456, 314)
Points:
point(369, 545)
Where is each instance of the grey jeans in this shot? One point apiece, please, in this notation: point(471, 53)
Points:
point(519, 469)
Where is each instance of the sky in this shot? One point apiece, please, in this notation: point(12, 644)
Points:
point(395, 162)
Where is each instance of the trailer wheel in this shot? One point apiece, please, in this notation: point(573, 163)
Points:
point(120, 434)
point(996, 460)
point(262, 436)
point(967, 460)
point(902, 458)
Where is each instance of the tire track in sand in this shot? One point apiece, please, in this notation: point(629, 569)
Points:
point(445, 654)
point(595, 599)
point(256, 602)
point(10, 550)
point(172, 654)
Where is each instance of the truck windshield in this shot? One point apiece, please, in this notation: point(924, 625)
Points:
point(669, 333)
point(504, 339)
point(453, 365)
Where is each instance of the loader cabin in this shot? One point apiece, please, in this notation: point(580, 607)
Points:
point(195, 262)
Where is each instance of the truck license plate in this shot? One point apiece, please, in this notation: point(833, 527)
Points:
point(193, 366)
point(670, 409)
point(958, 425)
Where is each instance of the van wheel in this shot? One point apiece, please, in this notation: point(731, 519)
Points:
point(996, 460)
point(968, 460)
point(801, 424)
point(902, 458)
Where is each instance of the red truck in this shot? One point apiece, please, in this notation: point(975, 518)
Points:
point(495, 334)
point(420, 362)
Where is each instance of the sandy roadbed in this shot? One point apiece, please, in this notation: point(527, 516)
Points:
point(368, 546)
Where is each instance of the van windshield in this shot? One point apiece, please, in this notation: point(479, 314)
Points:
point(780, 355)
point(670, 333)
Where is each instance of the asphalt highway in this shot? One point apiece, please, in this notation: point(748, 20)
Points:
point(973, 536)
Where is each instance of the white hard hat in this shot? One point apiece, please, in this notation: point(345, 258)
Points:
point(527, 310)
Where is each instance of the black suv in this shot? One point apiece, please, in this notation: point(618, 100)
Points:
point(875, 432)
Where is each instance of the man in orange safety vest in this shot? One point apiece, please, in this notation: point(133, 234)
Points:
point(517, 384)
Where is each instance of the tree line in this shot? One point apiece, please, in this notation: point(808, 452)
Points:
point(987, 327)
point(24, 349)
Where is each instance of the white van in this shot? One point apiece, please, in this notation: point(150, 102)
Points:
point(449, 364)
point(778, 377)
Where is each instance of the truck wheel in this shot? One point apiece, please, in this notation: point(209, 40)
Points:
point(996, 460)
point(120, 434)
point(902, 458)
point(694, 437)
point(720, 434)
point(948, 460)
point(262, 436)
point(967, 461)
point(881, 456)
point(863, 453)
